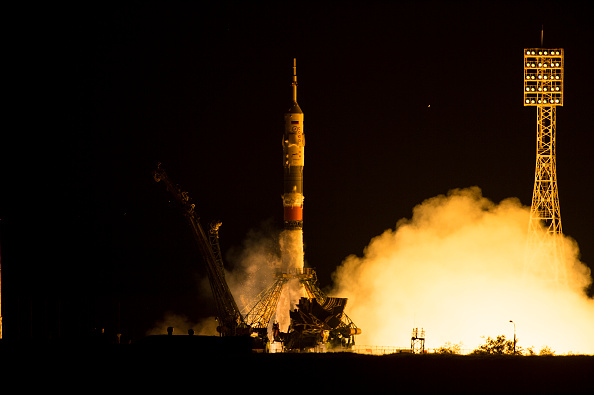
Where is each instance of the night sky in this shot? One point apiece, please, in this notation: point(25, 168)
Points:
point(402, 100)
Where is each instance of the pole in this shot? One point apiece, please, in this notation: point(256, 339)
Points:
point(514, 336)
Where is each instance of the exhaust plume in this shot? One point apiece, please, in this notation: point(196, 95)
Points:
point(264, 253)
point(456, 268)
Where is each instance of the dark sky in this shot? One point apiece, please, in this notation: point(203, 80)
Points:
point(104, 92)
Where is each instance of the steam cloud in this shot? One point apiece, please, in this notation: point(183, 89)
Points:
point(456, 269)
point(254, 265)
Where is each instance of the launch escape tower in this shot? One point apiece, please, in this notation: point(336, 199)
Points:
point(543, 89)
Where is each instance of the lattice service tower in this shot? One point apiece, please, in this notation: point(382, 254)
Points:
point(543, 89)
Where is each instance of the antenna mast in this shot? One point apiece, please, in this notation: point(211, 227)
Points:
point(294, 84)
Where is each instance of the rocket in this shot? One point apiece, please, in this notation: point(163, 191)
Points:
point(291, 238)
point(293, 157)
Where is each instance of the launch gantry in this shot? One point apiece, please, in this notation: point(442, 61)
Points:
point(318, 318)
point(231, 322)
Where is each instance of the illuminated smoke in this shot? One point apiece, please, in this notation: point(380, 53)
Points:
point(291, 246)
point(255, 264)
point(456, 269)
point(292, 292)
point(262, 255)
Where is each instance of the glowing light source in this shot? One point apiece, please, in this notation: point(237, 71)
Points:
point(540, 67)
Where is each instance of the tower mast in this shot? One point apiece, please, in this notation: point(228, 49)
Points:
point(543, 88)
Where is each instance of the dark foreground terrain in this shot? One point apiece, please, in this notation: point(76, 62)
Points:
point(169, 367)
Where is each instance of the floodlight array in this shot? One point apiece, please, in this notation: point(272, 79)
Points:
point(543, 77)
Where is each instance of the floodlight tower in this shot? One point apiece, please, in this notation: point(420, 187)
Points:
point(543, 89)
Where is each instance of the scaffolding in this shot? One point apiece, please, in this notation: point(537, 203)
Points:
point(417, 341)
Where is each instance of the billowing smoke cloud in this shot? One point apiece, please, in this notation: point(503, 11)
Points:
point(265, 251)
point(253, 268)
point(254, 265)
point(456, 269)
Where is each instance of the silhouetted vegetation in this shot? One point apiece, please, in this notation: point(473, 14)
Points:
point(502, 346)
point(498, 346)
point(449, 348)
point(546, 350)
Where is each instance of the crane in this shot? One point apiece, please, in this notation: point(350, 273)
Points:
point(317, 314)
point(231, 322)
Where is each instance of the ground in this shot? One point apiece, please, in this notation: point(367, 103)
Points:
point(172, 366)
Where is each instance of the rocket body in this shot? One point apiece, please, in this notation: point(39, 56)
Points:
point(293, 150)
point(293, 161)
point(291, 238)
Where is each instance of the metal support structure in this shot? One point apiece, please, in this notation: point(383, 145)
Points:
point(347, 327)
point(231, 322)
point(213, 238)
point(260, 314)
point(543, 88)
point(417, 341)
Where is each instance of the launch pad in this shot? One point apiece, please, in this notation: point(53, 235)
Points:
point(318, 318)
